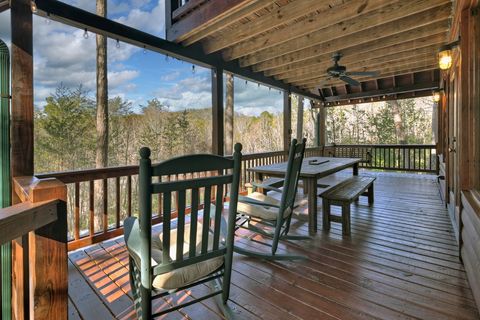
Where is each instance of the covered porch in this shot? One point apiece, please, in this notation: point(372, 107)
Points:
point(400, 262)
point(413, 254)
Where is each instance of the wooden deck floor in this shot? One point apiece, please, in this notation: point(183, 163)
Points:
point(400, 262)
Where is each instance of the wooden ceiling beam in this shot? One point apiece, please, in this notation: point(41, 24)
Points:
point(276, 17)
point(383, 68)
point(318, 45)
point(275, 44)
point(399, 71)
point(212, 27)
point(412, 55)
point(394, 90)
point(209, 12)
point(376, 48)
point(328, 16)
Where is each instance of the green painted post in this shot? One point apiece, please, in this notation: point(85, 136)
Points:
point(5, 180)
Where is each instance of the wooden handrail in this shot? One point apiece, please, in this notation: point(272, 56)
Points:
point(406, 146)
point(20, 219)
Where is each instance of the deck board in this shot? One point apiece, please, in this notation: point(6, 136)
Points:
point(400, 262)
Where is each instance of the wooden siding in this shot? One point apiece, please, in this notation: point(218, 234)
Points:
point(400, 262)
point(471, 240)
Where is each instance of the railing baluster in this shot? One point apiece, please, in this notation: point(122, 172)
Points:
point(76, 213)
point(105, 205)
point(92, 207)
point(117, 202)
point(129, 195)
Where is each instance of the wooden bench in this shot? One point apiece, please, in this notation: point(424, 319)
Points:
point(343, 195)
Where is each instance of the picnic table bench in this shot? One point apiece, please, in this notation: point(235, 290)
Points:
point(343, 195)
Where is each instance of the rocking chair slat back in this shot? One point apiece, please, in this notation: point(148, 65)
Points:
point(190, 239)
point(292, 175)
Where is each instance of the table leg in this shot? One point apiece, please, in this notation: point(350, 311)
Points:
point(355, 169)
point(258, 178)
point(312, 204)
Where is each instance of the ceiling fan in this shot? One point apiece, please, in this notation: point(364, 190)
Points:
point(340, 72)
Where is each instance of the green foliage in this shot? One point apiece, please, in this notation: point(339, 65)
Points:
point(374, 123)
point(64, 137)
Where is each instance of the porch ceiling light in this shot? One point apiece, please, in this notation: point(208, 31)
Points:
point(445, 55)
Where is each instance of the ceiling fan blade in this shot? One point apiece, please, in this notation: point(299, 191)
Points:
point(363, 73)
point(350, 81)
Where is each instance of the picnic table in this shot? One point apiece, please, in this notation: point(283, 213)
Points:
point(313, 168)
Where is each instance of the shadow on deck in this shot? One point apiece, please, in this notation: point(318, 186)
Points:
point(400, 262)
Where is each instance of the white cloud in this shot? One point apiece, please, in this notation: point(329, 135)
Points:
point(148, 21)
point(116, 79)
point(191, 92)
point(174, 75)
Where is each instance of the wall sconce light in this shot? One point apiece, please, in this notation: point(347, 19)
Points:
point(445, 55)
point(437, 95)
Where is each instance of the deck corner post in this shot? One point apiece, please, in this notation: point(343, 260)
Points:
point(217, 111)
point(287, 119)
point(46, 258)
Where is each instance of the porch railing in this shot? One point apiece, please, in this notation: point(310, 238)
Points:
point(412, 157)
point(112, 194)
point(99, 200)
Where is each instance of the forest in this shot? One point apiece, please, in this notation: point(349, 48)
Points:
point(65, 135)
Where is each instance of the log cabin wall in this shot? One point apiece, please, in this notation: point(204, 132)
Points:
point(460, 132)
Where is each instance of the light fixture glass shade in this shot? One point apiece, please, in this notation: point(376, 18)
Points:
point(436, 96)
point(445, 59)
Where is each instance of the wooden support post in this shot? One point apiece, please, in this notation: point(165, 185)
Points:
point(287, 119)
point(22, 89)
point(47, 256)
point(322, 118)
point(217, 111)
point(300, 119)
point(21, 138)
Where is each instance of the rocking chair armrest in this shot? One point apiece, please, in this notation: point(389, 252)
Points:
point(256, 202)
point(265, 186)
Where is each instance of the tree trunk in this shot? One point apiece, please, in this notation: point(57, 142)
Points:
point(397, 119)
point(229, 115)
point(101, 159)
point(404, 155)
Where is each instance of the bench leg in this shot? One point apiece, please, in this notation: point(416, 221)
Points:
point(326, 214)
point(370, 195)
point(346, 219)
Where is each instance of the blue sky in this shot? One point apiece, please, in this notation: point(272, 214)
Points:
point(63, 55)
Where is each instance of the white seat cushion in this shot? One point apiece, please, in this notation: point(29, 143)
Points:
point(183, 276)
point(259, 211)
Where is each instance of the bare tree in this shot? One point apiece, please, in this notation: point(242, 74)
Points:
point(101, 159)
point(397, 119)
point(229, 115)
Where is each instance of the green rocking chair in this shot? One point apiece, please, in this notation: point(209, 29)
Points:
point(191, 249)
point(270, 217)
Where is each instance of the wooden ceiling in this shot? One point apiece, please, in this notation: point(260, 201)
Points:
point(294, 40)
